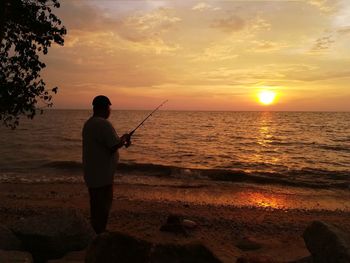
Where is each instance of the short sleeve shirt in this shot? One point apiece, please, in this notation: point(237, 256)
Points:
point(99, 162)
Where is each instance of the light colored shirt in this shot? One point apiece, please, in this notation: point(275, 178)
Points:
point(99, 162)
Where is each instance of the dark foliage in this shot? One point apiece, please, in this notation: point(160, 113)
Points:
point(27, 28)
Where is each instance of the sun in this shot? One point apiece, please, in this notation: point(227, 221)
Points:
point(267, 97)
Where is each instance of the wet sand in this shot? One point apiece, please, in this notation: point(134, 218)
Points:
point(140, 209)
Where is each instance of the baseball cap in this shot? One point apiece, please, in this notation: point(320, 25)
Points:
point(101, 100)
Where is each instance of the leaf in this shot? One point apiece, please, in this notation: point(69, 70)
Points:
point(55, 89)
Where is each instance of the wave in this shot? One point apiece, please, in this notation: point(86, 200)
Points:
point(307, 177)
point(346, 139)
point(313, 178)
point(63, 165)
point(338, 148)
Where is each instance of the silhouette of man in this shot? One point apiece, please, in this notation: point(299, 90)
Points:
point(100, 156)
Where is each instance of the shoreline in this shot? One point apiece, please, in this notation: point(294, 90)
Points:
point(220, 226)
point(151, 187)
point(313, 179)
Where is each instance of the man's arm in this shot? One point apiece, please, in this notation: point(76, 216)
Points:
point(123, 140)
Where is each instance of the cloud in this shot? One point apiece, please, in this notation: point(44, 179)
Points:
point(235, 23)
point(77, 15)
point(230, 24)
point(111, 44)
point(326, 6)
point(204, 6)
point(216, 52)
point(323, 44)
point(258, 24)
point(271, 73)
point(341, 18)
point(146, 26)
point(227, 46)
point(344, 30)
point(241, 76)
point(307, 72)
point(141, 32)
point(267, 46)
point(321, 76)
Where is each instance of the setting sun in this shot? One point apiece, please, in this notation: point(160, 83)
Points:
point(267, 97)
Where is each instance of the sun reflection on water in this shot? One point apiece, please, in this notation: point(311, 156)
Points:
point(265, 151)
point(266, 130)
point(265, 201)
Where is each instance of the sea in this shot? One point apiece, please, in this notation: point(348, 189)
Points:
point(290, 149)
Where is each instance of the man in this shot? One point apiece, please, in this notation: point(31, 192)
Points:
point(100, 156)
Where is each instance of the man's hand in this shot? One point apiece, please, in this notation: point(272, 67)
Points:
point(123, 141)
point(126, 139)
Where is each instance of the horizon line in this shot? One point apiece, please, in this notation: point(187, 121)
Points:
point(193, 110)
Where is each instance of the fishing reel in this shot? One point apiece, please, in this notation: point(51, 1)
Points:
point(128, 142)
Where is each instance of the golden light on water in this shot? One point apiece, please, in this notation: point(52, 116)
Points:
point(267, 97)
point(265, 200)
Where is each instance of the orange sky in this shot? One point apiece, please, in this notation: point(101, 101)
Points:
point(212, 55)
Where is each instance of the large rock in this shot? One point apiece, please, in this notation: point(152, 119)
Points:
point(15, 257)
point(52, 235)
point(248, 243)
point(256, 259)
point(8, 241)
point(71, 257)
point(184, 253)
point(327, 243)
point(173, 224)
point(303, 260)
point(121, 248)
point(117, 248)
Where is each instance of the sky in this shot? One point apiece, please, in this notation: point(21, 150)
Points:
point(203, 55)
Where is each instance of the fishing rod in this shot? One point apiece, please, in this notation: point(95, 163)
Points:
point(138, 126)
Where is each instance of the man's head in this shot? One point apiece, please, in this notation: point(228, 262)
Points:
point(101, 105)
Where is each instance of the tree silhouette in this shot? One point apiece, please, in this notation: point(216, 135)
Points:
point(27, 29)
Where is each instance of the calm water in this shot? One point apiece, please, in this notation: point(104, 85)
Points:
point(292, 147)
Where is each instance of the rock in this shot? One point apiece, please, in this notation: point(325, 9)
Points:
point(189, 224)
point(117, 247)
point(184, 253)
point(75, 255)
point(173, 219)
point(62, 260)
point(303, 260)
point(327, 243)
point(248, 243)
point(8, 241)
point(177, 229)
point(71, 257)
point(52, 235)
point(256, 259)
point(174, 225)
point(15, 257)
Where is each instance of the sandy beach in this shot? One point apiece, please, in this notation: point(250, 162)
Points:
point(220, 226)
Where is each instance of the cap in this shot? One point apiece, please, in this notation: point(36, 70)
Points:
point(101, 100)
